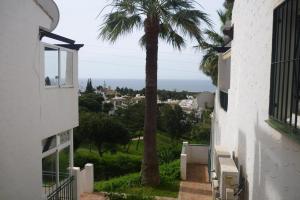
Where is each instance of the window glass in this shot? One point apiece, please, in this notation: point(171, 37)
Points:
point(64, 137)
point(64, 163)
point(49, 172)
point(51, 66)
point(66, 68)
point(49, 143)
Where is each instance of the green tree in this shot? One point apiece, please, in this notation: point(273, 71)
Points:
point(107, 107)
point(200, 132)
point(108, 133)
point(84, 133)
point(89, 87)
point(133, 118)
point(174, 121)
point(165, 19)
point(209, 63)
point(90, 102)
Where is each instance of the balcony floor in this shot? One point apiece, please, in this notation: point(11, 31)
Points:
point(197, 185)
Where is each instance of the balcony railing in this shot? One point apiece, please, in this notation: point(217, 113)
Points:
point(63, 191)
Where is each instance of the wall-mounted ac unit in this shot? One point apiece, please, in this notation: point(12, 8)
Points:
point(220, 152)
point(229, 179)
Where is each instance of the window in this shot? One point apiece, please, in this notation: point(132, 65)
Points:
point(223, 100)
point(285, 69)
point(56, 162)
point(58, 63)
point(224, 70)
point(51, 66)
point(66, 68)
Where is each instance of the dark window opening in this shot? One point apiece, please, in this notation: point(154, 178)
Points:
point(285, 69)
point(224, 100)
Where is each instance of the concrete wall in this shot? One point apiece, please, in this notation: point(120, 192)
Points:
point(87, 179)
point(28, 112)
point(268, 160)
point(197, 154)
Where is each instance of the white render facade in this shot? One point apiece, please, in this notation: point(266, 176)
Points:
point(31, 111)
point(268, 159)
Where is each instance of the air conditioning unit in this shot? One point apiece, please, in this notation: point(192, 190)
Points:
point(220, 152)
point(215, 188)
point(229, 178)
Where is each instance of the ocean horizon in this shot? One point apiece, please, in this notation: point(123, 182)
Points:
point(163, 84)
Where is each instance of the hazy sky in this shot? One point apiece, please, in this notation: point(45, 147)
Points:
point(125, 59)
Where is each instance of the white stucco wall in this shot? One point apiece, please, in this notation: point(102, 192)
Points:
point(197, 154)
point(28, 113)
point(269, 160)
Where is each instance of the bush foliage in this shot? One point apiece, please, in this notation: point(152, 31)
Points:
point(109, 165)
point(169, 173)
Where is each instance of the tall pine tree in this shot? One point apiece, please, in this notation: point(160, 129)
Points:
point(89, 87)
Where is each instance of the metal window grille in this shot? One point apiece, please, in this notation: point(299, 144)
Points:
point(285, 69)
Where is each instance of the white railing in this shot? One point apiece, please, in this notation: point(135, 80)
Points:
point(194, 154)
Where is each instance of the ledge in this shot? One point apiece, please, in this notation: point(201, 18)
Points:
point(285, 129)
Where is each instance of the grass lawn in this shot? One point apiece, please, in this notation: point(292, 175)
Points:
point(162, 141)
point(163, 190)
point(131, 183)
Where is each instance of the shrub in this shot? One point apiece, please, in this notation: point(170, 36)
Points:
point(169, 153)
point(120, 183)
point(116, 196)
point(109, 165)
point(169, 173)
point(120, 164)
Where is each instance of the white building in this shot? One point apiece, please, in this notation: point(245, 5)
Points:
point(256, 104)
point(38, 102)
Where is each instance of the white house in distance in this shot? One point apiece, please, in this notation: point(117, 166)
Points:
point(38, 102)
point(256, 117)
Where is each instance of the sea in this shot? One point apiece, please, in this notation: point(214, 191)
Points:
point(137, 84)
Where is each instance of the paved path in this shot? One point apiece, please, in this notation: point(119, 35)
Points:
point(197, 186)
point(100, 196)
point(92, 196)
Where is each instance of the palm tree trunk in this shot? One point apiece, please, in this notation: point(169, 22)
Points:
point(150, 168)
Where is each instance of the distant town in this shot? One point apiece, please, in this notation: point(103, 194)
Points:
point(190, 102)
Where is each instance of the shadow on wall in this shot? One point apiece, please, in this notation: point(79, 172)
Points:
point(275, 167)
point(265, 166)
point(240, 161)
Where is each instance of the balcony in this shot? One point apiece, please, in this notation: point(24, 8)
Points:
point(194, 169)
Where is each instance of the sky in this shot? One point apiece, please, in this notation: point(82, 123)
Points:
point(125, 59)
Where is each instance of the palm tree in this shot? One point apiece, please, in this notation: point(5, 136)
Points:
point(209, 63)
point(169, 20)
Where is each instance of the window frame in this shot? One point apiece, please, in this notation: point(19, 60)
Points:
point(59, 48)
point(56, 150)
point(285, 67)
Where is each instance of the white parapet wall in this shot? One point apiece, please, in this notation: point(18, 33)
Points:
point(197, 154)
point(87, 179)
point(183, 161)
point(192, 153)
point(84, 180)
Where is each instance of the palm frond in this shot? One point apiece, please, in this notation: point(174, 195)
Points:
point(117, 24)
point(222, 16)
point(214, 37)
point(142, 41)
point(171, 36)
